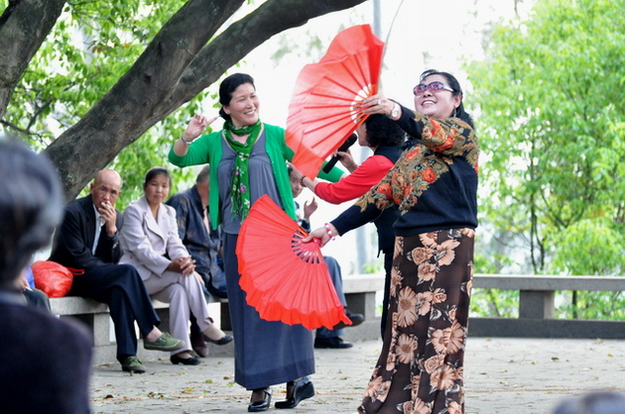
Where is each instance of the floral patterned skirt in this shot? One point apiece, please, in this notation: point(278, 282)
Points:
point(420, 370)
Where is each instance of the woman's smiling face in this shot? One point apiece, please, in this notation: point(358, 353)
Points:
point(244, 105)
point(438, 104)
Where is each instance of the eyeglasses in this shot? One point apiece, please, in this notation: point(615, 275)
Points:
point(432, 87)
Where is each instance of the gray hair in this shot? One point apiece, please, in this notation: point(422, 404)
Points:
point(202, 176)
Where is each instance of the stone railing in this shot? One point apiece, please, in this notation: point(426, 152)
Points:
point(537, 307)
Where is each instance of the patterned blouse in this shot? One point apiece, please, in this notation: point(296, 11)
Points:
point(434, 182)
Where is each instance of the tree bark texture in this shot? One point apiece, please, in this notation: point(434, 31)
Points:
point(24, 26)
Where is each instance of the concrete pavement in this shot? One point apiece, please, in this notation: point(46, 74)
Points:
point(501, 376)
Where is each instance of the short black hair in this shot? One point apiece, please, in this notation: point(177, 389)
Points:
point(153, 172)
point(381, 130)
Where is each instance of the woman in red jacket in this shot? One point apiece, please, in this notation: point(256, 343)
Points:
point(384, 137)
point(379, 133)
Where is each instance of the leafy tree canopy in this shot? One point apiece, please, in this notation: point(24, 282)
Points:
point(552, 134)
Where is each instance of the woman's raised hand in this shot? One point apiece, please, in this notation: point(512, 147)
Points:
point(310, 208)
point(196, 126)
point(377, 104)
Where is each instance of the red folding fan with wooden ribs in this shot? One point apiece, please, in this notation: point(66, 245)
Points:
point(284, 278)
point(326, 105)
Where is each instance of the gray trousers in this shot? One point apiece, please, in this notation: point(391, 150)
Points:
point(337, 280)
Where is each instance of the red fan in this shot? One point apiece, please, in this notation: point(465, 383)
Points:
point(285, 279)
point(326, 104)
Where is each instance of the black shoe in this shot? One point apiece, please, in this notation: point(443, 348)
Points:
point(302, 389)
point(356, 318)
point(226, 339)
point(262, 405)
point(175, 359)
point(334, 342)
point(213, 332)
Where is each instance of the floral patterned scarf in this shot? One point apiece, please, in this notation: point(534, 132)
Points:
point(423, 163)
point(240, 184)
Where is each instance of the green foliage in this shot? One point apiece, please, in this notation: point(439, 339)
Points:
point(494, 303)
point(593, 246)
point(83, 57)
point(551, 130)
point(592, 305)
point(375, 266)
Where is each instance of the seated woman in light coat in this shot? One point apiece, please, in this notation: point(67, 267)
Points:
point(151, 243)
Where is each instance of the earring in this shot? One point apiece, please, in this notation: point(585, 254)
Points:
point(455, 113)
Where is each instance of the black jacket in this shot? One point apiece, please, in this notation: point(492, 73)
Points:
point(75, 238)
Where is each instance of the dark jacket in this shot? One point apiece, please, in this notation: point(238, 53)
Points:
point(45, 362)
point(75, 238)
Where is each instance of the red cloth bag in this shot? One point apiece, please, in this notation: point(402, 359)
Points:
point(54, 279)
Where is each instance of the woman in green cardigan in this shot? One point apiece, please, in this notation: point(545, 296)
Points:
point(247, 160)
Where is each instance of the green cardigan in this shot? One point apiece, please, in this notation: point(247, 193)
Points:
point(207, 149)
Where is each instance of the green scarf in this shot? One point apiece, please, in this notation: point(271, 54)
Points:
point(240, 186)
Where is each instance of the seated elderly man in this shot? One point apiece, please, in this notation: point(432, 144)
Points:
point(44, 362)
point(87, 240)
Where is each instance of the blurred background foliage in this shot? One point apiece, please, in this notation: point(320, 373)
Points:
point(551, 124)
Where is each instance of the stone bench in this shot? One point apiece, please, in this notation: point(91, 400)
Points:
point(537, 307)
point(536, 312)
point(96, 316)
point(360, 291)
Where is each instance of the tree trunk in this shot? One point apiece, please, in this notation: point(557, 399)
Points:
point(176, 66)
point(24, 26)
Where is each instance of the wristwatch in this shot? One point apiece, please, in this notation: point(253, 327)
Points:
point(395, 111)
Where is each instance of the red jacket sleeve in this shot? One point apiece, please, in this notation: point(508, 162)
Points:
point(368, 174)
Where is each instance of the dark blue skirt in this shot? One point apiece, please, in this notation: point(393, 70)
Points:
point(265, 353)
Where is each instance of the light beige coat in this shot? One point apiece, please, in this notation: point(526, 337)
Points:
point(148, 244)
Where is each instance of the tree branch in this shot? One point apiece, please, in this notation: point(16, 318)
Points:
point(176, 66)
point(24, 26)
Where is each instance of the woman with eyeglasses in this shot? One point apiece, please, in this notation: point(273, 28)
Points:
point(434, 185)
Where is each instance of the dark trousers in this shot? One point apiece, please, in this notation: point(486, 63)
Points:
point(121, 288)
point(388, 265)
